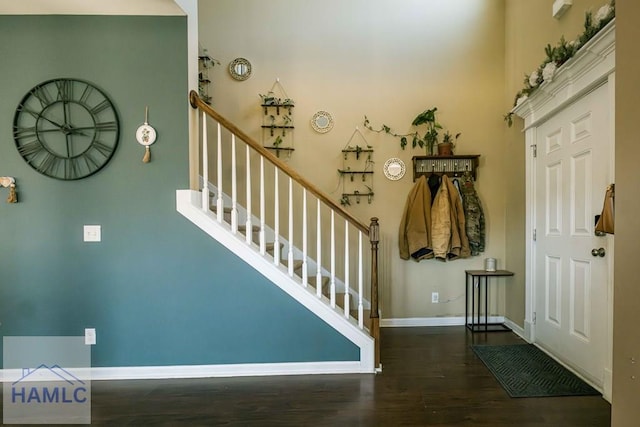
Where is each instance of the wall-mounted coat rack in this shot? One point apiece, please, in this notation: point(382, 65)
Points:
point(452, 166)
point(10, 183)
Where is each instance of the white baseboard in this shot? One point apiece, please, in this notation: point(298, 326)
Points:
point(431, 321)
point(517, 329)
point(209, 371)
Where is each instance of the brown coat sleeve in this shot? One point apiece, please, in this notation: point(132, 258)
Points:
point(414, 234)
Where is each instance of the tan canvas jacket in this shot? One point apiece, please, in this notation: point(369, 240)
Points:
point(414, 235)
point(449, 236)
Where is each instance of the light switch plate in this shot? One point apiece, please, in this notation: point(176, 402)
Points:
point(90, 336)
point(92, 233)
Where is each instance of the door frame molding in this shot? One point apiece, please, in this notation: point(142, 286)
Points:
point(592, 66)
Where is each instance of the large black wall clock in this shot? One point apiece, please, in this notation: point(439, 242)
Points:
point(66, 129)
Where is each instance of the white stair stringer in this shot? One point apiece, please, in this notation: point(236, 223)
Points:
point(189, 204)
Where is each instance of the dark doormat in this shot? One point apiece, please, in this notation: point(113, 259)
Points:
point(524, 370)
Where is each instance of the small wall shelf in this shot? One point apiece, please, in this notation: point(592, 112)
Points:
point(273, 127)
point(358, 151)
point(452, 166)
point(357, 162)
point(277, 120)
point(357, 195)
point(205, 62)
point(287, 107)
point(353, 173)
point(287, 150)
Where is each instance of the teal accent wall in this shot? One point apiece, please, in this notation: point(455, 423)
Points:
point(157, 289)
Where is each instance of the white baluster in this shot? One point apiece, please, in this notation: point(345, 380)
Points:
point(318, 255)
point(347, 286)
point(305, 274)
point(220, 201)
point(249, 233)
point(276, 219)
point(360, 282)
point(333, 261)
point(263, 243)
point(290, 258)
point(234, 187)
point(205, 165)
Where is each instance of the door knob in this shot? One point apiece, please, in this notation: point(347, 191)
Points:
point(598, 252)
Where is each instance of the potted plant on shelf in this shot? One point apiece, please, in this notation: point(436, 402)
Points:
point(445, 148)
point(430, 138)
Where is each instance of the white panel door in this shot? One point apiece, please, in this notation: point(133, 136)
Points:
point(571, 175)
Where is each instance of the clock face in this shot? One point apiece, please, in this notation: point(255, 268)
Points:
point(66, 129)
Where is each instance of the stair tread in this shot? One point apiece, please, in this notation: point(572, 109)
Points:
point(254, 228)
point(214, 208)
point(297, 263)
point(340, 299)
point(325, 280)
point(269, 247)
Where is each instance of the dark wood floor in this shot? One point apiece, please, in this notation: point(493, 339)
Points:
point(431, 378)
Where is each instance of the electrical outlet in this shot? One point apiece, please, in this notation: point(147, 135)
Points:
point(435, 297)
point(90, 336)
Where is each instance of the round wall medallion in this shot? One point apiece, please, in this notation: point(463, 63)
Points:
point(322, 122)
point(394, 169)
point(146, 135)
point(240, 69)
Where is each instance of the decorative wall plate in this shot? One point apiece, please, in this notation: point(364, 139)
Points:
point(240, 69)
point(394, 169)
point(322, 122)
point(146, 135)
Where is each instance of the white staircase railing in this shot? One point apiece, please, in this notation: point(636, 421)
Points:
point(290, 213)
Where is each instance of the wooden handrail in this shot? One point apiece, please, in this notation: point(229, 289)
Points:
point(196, 102)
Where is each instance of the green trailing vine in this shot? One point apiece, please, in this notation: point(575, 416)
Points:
point(428, 140)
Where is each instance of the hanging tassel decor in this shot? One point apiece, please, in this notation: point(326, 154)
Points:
point(146, 135)
point(147, 155)
point(13, 197)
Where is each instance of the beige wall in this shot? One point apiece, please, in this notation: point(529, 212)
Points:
point(529, 28)
point(626, 336)
point(389, 60)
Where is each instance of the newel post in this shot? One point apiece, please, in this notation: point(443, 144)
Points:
point(374, 238)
